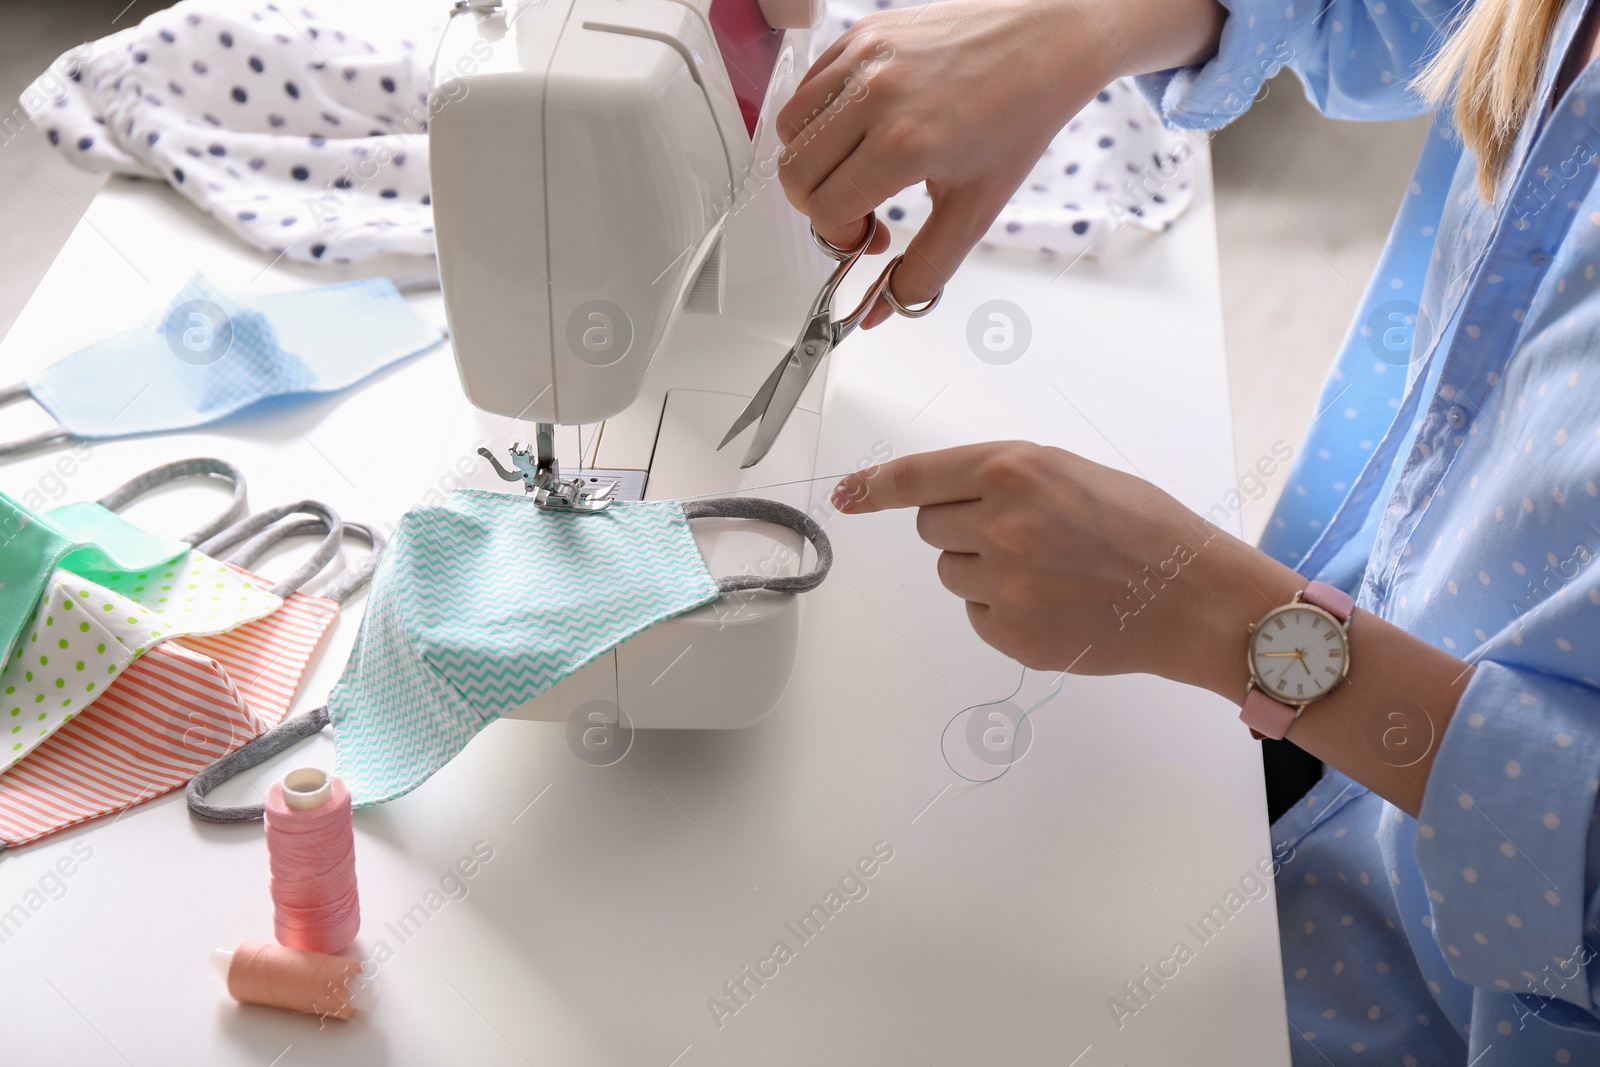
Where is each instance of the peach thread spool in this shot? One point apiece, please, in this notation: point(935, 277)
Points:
point(296, 980)
point(312, 859)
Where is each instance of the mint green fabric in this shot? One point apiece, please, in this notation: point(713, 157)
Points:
point(33, 545)
point(485, 601)
point(92, 524)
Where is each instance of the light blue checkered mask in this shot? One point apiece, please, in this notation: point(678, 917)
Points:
point(210, 354)
point(483, 602)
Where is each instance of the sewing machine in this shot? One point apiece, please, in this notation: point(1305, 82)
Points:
point(620, 268)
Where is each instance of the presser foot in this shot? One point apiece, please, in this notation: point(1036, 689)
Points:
point(586, 493)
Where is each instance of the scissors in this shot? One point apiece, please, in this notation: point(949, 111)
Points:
point(822, 333)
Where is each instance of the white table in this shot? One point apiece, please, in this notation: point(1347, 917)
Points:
point(619, 900)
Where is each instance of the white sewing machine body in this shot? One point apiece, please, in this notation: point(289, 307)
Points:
point(618, 258)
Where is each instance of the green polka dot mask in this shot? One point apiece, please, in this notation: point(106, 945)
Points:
point(96, 614)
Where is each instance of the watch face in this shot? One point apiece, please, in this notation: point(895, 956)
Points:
point(1298, 654)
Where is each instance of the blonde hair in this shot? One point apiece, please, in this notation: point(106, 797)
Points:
point(1492, 60)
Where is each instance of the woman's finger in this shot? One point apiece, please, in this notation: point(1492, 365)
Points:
point(982, 617)
point(960, 217)
point(818, 151)
point(942, 477)
point(853, 191)
point(962, 574)
point(822, 81)
point(953, 527)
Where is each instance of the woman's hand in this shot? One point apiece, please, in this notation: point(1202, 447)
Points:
point(1068, 565)
point(1065, 563)
point(965, 95)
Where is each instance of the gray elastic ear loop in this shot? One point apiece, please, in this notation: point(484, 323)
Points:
point(10, 394)
point(347, 583)
point(340, 588)
point(247, 531)
point(760, 510)
point(206, 466)
point(293, 729)
point(288, 732)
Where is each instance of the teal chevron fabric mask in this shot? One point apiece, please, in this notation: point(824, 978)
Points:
point(210, 354)
point(485, 601)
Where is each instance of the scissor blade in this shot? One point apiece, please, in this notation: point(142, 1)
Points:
point(758, 403)
point(796, 373)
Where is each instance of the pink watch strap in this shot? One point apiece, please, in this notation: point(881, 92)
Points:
point(1267, 717)
point(1329, 598)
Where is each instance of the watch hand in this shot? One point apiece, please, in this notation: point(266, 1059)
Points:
point(1270, 654)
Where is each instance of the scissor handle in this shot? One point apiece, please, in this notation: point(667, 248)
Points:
point(846, 253)
point(899, 308)
point(883, 287)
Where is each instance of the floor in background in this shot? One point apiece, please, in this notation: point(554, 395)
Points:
point(41, 196)
point(1303, 206)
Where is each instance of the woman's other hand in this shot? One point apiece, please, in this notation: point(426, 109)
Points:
point(965, 95)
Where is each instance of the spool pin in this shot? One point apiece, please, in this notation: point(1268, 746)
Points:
point(307, 788)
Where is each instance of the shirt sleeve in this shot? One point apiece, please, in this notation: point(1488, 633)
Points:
point(1356, 59)
point(1507, 845)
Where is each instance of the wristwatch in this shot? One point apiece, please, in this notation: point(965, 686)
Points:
point(1298, 654)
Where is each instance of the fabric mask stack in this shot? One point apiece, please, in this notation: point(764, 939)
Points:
point(141, 660)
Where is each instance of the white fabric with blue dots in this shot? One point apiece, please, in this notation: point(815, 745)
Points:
point(1113, 166)
point(303, 138)
point(309, 140)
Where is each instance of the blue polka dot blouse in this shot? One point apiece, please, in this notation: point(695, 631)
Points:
point(1451, 480)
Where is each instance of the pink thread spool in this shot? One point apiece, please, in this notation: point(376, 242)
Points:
point(296, 980)
point(311, 852)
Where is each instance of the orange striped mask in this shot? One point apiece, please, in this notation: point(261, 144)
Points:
point(189, 701)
